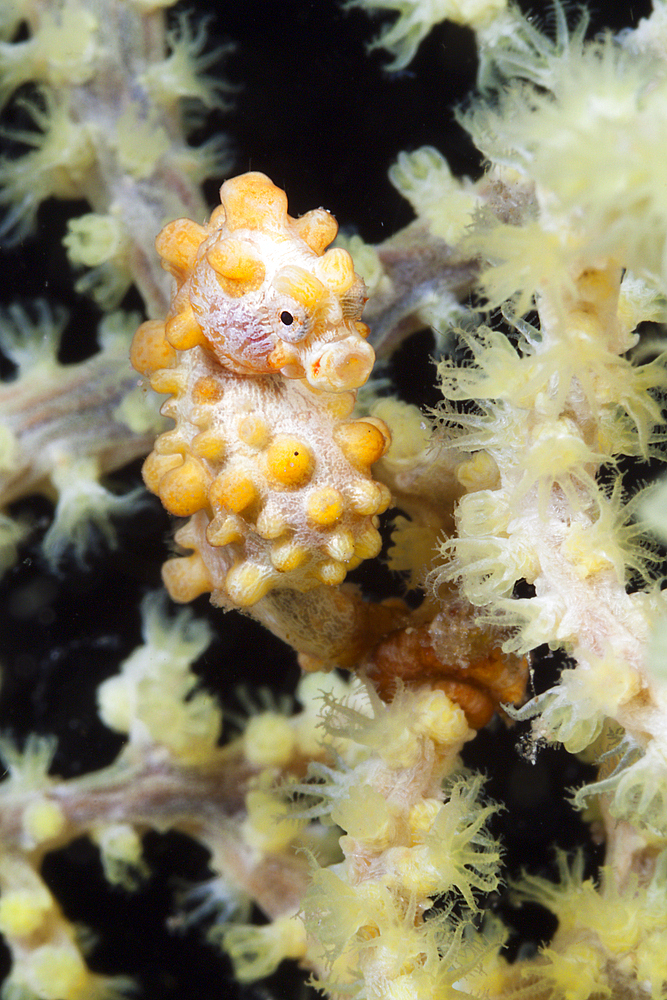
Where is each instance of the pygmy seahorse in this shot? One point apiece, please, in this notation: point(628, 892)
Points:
point(261, 353)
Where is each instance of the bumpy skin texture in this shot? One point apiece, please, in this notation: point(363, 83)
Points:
point(261, 353)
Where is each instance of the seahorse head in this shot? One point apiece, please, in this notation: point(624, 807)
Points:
point(259, 289)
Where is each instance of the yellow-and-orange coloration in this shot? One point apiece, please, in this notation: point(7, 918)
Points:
point(261, 353)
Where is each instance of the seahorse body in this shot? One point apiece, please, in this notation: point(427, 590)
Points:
point(261, 353)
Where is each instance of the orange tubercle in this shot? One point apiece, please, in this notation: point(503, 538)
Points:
point(183, 490)
point(252, 201)
point(150, 349)
point(317, 228)
point(183, 331)
point(363, 442)
point(177, 245)
point(288, 462)
point(234, 491)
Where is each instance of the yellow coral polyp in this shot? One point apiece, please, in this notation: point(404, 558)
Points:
point(579, 973)
point(257, 951)
point(440, 719)
point(269, 740)
point(421, 818)
point(43, 820)
point(57, 971)
point(365, 815)
point(23, 911)
point(270, 827)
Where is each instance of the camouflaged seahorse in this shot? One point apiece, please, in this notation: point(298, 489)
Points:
point(261, 353)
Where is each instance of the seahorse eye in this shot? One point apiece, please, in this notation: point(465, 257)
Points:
point(286, 318)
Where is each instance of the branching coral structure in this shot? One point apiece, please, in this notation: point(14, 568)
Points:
point(348, 827)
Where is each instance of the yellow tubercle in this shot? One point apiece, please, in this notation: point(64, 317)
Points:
point(253, 430)
point(340, 545)
point(330, 572)
point(288, 555)
point(325, 506)
point(303, 286)
point(223, 530)
point(317, 228)
point(252, 201)
point(209, 445)
point(167, 380)
point(156, 466)
point(237, 267)
point(207, 391)
point(186, 578)
point(150, 349)
point(363, 442)
point(177, 245)
point(234, 491)
point(368, 543)
point(247, 583)
point(183, 331)
point(183, 490)
point(288, 462)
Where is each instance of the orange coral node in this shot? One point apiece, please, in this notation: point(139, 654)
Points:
point(455, 654)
